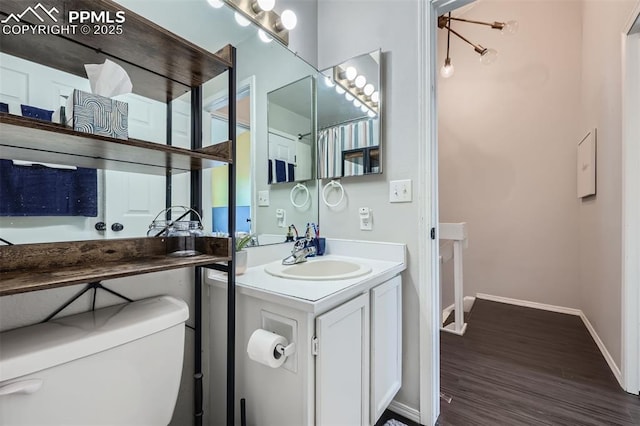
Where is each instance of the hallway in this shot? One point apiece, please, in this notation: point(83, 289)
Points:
point(523, 366)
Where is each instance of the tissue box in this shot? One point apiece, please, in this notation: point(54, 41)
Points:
point(96, 114)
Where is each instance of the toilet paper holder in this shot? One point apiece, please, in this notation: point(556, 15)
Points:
point(286, 351)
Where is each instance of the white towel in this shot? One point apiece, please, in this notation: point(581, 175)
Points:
point(50, 165)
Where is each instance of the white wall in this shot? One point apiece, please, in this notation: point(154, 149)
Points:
point(350, 28)
point(600, 217)
point(507, 138)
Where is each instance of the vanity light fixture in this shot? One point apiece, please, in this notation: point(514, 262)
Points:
point(357, 103)
point(340, 89)
point(261, 13)
point(487, 56)
point(368, 89)
point(217, 4)
point(351, 73)
point(241, 20)
point(349, 96)
point(264, 36)
point(356, 88)
point(361, 80)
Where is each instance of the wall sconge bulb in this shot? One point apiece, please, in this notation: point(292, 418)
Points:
point(349, 96)
point(371, 114)
point(264, 36)
point(375, 96)
point(351, 73)
point(241, 20)
point(357, 103)
point(510, 28)
point(217, 4)
point(339, 89)
point(489, 56)
point(361, 80)
point(288, 20)
point(328, 81)
point(369, 89)
point(447, 69)
point(266, 5)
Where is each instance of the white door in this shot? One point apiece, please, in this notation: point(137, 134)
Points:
point(342, 365)
point(132, 200)
point(386, 345)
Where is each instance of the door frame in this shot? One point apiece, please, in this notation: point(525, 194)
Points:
point(428, 249)
point(631, 203)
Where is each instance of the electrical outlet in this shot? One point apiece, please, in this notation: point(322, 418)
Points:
point(366, 221)
point(400, 191)
point(263, 198)
point(281, 217)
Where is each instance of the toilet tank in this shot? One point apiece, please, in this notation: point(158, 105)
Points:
point(119, 365)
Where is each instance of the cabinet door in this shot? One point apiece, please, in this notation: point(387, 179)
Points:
point(386, 345)
point(342, 365)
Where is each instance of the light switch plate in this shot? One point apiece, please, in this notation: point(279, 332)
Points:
point(400, 191)
point(263, 198)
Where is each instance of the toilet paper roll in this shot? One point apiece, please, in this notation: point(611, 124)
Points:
point(262, 348)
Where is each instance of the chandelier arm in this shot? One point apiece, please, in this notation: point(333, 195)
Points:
point(476, 47)
point(496, 25)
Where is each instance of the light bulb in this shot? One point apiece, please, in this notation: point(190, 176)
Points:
point(375, 96)
point(361, 80)
point(289, 19)
point(349, 96)
point(357, 103)
point(489, 56)
point(351, 73)
point(447, 69)
point(241, 20)
point(328, 81)
point(264, 36)
point(339, 89)
point(266, 5)
point(364, 108)
point(510, 28)
point(369, 89)
point(216, 3)
point(371, 114)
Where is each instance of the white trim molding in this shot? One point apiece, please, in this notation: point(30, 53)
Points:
point(562, 310)
point(405, 411)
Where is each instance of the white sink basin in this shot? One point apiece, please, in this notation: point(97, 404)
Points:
point(318, 270)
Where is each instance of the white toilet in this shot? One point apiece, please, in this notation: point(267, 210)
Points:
point(115, 366)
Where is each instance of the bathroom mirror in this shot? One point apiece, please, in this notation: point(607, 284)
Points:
point(291, 124)
point(261, 68)
point(349, 108)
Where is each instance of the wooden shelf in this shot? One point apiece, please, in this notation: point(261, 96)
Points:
point(161, 65)
point(34, 140)
point(31, 267)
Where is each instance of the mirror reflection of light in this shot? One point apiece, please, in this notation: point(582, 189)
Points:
point(361, 80)
point(371, 114)
point(241, 20)
point(369, 89)
point(349, 96)
point(351, 73)
point(364, 108)
point(339, 89)
point(375, 96)
point(357, 103)
point(216, 3)
point(264, 36)
point(328, 81)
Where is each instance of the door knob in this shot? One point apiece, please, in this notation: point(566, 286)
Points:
point(117, 227)
point(100, 226)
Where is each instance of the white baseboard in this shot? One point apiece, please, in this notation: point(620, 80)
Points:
point(404, 410)
point(467, 302)
point(563, 310)
point(526, 303)
point(605, 353)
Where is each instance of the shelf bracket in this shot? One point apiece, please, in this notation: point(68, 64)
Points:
point(95, 286)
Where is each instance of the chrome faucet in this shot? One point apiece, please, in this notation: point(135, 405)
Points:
point(300, 251)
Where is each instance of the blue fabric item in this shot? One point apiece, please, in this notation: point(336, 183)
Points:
point(220, 219)
point(281, 171)
point(43, 191)
point(270, 172)
point(37, 113)
point(291, 175)
point(4, 107)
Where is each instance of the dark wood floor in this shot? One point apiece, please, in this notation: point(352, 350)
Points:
point(521, 366)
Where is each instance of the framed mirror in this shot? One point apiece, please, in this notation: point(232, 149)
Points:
point(291, 125)
point(349, 107)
